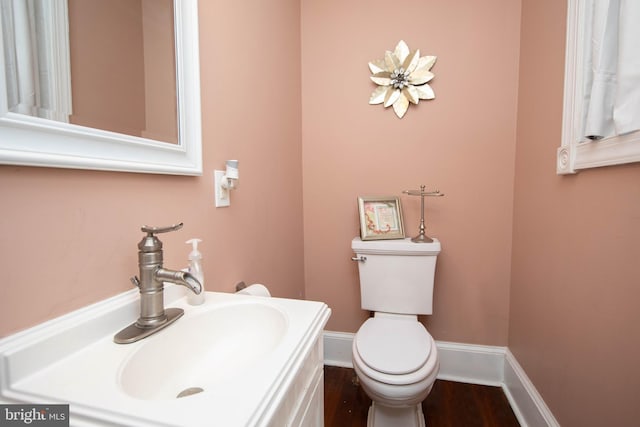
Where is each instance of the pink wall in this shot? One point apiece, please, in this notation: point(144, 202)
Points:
point(463, 143)
point(543, 263)
point(574, 296)
point(69, 237)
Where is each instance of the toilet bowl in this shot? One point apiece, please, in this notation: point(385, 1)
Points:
point(396, 361)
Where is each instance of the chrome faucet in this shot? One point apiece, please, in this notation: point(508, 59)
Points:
point(153, 315)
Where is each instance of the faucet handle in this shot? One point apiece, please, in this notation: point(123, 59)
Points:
point(155, 230)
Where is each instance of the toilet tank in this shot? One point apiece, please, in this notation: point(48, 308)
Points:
point(397, 275)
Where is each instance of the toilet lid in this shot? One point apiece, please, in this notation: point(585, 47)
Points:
point(393, 346)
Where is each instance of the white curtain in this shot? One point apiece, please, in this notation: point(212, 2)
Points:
point(19, 59)
point(612, 84)
point(35, 35)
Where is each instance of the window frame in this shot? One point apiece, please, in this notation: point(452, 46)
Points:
point(575, 154)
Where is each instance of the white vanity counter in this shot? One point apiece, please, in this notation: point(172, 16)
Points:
point(257, 361)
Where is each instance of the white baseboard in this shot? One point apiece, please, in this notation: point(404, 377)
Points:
point(337, 348)
point(526, 402)
point(468, 363)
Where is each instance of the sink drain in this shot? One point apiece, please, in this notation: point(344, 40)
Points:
point(189, 391)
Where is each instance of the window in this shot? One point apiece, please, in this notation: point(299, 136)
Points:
point(577, 152)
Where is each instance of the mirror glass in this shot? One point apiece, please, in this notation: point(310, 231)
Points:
point(123, 67)
point(97, 84)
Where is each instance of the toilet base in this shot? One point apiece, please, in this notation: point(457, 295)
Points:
point(385, 416)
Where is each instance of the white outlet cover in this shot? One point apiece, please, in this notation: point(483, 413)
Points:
point(221, 195)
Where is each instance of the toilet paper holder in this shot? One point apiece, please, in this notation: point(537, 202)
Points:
point(256, 289)
point(422, 237)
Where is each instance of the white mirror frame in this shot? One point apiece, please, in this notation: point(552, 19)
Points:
point(32, 141)
point(575, 153)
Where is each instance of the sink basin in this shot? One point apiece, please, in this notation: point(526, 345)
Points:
point(202, 351)
point(236, 360)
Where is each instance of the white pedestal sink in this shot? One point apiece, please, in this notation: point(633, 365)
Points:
point(237, 360)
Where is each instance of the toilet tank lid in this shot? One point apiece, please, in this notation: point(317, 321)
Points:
point(395, 247)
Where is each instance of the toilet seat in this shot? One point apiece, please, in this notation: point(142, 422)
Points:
point(393, 345)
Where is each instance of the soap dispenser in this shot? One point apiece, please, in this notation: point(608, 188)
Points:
point(195, 268)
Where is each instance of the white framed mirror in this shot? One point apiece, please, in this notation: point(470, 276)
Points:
point(35, 141)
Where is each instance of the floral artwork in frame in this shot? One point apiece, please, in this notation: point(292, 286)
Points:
point(402, 77)
point(380, 218)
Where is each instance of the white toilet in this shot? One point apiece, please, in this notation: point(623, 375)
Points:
point(394, 356)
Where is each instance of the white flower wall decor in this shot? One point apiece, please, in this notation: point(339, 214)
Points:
point(402, 78)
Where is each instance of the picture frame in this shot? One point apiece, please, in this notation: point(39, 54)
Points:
point(380, 218)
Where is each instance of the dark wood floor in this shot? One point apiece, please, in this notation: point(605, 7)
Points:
point(450, 404)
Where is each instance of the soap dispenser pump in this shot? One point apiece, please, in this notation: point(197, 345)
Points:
point(195, 268)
